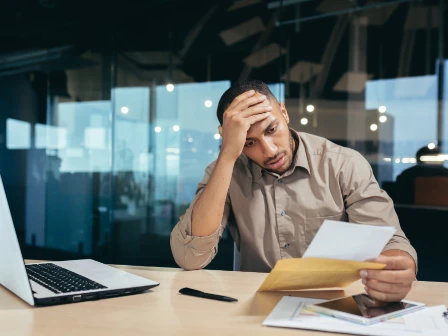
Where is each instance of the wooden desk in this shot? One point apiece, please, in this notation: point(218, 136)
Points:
point(163, 311)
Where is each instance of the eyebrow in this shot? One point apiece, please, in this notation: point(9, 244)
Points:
point(269, 126)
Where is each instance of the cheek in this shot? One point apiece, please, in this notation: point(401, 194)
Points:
point(253, 153)
point(281, 139)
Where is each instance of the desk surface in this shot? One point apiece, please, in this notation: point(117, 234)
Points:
point(163, 311)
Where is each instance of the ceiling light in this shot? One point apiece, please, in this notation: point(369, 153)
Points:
point(310, 108)
point(432, 158)
point(382, 109)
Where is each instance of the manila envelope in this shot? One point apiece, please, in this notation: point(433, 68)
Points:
point(314, 273)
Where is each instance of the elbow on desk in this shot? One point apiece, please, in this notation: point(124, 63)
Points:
point(180, 254)
point(190, 267)
point(181, 261)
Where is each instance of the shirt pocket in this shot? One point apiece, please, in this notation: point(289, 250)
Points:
point(312, 225)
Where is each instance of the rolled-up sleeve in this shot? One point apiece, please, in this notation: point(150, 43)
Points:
point(367, 203)
point(192, 252)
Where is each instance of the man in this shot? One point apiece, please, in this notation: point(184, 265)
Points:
point(274, 187)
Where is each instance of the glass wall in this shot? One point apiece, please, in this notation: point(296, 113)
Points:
point(105, 133)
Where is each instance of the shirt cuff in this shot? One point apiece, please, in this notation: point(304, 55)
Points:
point(203, 244)
point(199, 244)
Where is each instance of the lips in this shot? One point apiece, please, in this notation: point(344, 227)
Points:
point(277, 163)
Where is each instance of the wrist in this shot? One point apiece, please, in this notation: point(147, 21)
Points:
point(227, 157)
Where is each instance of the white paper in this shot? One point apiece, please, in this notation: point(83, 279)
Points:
point(290, 312)
point(347, 241)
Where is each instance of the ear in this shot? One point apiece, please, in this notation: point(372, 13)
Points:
point(284, 112)
point(220, 130)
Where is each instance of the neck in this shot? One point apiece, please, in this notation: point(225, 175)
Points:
point(293, 144)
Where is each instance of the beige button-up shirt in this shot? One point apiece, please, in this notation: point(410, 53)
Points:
point(273, 217)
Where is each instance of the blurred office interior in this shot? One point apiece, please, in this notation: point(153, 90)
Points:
point(108, 111)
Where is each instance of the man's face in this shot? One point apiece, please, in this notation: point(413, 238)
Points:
point(269, 142)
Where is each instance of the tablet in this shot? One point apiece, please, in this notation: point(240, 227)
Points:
point(364, 309)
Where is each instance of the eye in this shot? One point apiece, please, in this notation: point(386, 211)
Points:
point(249, 143)
point(272, 129)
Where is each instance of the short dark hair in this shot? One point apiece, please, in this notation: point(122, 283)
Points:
point(238, 88)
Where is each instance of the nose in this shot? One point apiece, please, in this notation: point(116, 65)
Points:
point(269, 148)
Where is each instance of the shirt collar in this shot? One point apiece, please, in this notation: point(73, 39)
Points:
point(300, 159)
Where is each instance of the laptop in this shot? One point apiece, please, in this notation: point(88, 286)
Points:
point(54, 283)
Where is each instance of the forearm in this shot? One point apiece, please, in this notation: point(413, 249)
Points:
point(208, 209)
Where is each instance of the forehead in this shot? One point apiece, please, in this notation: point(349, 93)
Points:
point(259, 128)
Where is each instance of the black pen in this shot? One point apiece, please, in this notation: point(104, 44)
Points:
point(194, 292)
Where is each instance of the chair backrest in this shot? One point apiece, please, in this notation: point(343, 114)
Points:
point(431, 191)
point(236, 258)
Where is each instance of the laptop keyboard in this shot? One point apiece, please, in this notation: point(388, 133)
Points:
point(60, 280)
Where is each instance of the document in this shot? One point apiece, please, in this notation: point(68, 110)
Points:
point(291, 312)
point(333, 260)
point(348, 241)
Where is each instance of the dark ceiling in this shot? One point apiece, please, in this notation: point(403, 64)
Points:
point(170, 25)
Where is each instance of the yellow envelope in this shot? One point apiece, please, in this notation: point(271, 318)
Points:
point(314, 273)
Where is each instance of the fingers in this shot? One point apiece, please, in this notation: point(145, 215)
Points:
point(385, 296)
point(405, 276)
point(244, 104)
point(386, 287)
point(391, 283)
point(256, 109)
point(240, 98)
point(258, 117)
point(395, 263)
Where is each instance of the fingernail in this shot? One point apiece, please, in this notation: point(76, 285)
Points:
point(364, 281)
point(251, 91)
point(363, 274)
point(365, 288)
point(269, 107)
point(263, 96)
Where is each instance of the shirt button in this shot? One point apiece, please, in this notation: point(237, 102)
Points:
point(280, 181)
point(283, 213)
point(286, 246)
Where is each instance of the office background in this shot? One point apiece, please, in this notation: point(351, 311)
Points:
point(108, 111)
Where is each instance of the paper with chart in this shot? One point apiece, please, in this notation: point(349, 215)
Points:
point(291, 312)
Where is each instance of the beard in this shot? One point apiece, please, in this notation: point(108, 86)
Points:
point(289, 157)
